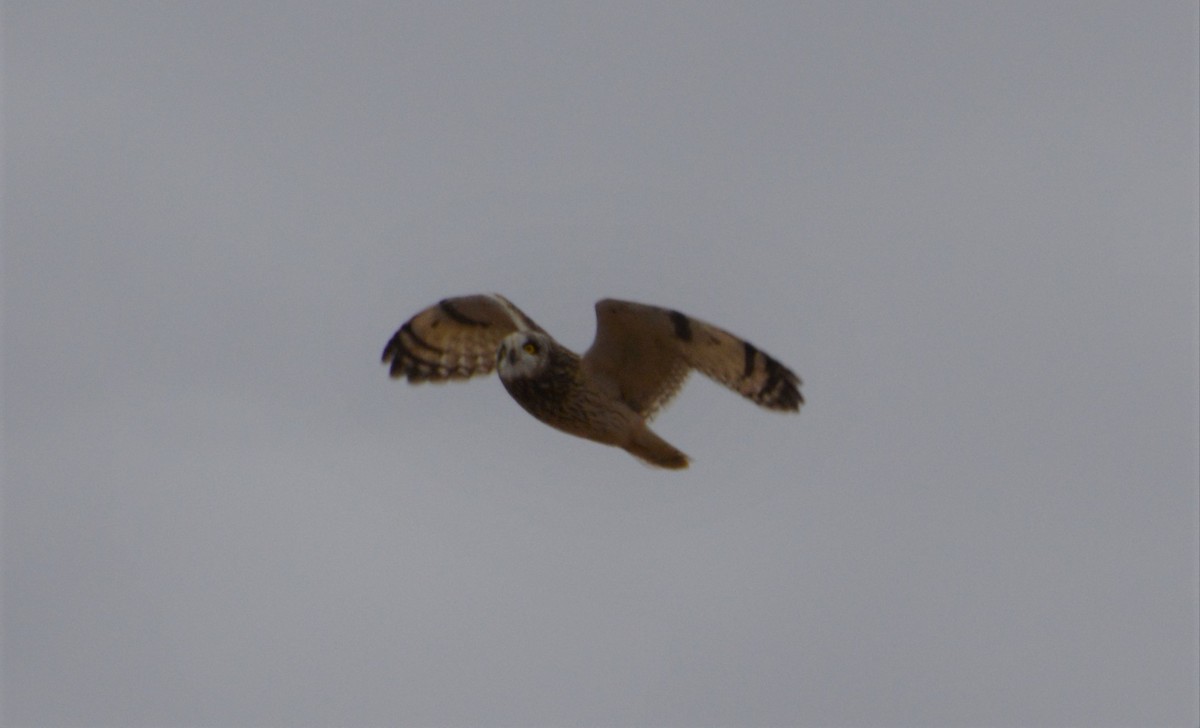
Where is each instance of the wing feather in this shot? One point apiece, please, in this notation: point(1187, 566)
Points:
point(644, 353)
point(455, 338)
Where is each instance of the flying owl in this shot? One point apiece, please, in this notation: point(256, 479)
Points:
point(638, 362)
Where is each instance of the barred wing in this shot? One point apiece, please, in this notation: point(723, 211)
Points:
point(456, 338)
point(646, 352)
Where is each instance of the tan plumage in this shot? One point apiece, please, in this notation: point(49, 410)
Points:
point(639, 360)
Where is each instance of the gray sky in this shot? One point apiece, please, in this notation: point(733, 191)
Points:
point(970, 227)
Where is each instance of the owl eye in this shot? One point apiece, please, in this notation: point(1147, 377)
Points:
point(530, 347)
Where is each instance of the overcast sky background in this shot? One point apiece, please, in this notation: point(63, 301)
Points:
point(970, 227)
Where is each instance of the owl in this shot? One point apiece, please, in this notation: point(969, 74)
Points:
point(639, 360)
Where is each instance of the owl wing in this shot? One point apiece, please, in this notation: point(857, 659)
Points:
point(646, 352)
point(456, 338)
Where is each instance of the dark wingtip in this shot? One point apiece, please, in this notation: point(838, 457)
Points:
point(782, 389)
point(404, 361)
point(790, 399)
point(389, 352)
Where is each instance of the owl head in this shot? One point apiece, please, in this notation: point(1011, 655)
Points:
point(523, 355)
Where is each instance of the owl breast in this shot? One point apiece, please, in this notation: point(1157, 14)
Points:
point(558, 395)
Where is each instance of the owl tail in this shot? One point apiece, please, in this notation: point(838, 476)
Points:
point(654, 450)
